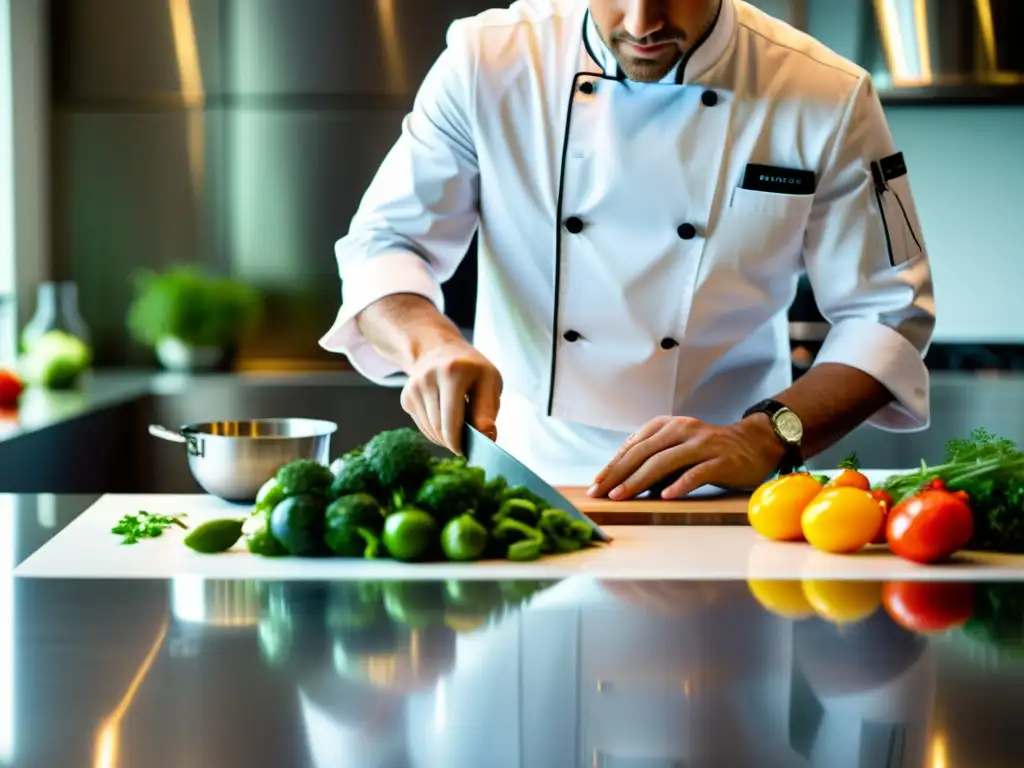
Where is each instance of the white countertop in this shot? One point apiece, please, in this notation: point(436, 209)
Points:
point(87, 549)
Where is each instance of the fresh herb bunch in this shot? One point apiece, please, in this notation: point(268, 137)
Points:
point(990, 469)
point(144, 526)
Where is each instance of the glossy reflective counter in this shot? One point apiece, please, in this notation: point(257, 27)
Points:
point(573, 674)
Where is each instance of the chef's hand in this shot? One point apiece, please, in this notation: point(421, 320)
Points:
point(740, 455)
point(436, 393)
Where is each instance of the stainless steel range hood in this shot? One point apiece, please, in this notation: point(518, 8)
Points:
point(957, 51)
point(954, 49)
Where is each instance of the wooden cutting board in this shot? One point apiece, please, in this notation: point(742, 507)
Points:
point(720, 510)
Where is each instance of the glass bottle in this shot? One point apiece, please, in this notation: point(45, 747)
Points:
point(56, 310)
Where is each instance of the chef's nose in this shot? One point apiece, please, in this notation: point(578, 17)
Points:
point(644, 17)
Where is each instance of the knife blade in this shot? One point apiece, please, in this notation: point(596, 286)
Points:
point(481, 451)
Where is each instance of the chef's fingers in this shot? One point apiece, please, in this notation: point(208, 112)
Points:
point(667, 436)
point(646, 431)
point(412, 404)
point(484, 402)
point(451, 411)
point(707, 473)
point(657, 467)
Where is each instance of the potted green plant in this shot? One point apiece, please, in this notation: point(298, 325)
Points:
point(190, 319)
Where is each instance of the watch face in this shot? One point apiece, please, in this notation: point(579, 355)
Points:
point(790, 428)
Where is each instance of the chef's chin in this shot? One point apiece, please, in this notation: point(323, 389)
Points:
point(643, 70)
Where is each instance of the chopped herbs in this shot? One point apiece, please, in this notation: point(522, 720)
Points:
point(144, 526)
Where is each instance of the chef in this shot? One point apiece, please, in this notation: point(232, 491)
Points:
point(648, 180)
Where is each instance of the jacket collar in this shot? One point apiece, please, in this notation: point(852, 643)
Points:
point(705, 54)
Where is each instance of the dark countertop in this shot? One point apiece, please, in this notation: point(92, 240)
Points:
point(151, 673)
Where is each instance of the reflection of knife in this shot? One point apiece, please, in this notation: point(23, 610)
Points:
point(481, 451)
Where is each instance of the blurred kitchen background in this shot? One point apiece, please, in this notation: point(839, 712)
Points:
point(238, 136)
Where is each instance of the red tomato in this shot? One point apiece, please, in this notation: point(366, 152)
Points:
point(929, 526)
point(885, 502)
point(923, 606)
point(11, 388)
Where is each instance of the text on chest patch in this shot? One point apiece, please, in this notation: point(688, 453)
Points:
point(770, 178)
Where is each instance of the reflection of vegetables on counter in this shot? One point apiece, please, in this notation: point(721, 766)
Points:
point(928, 607)
point(974, 500)
point(997, 622)
point(391, 498)
point(378, 631)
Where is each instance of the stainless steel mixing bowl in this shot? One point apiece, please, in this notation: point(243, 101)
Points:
point(233, 459)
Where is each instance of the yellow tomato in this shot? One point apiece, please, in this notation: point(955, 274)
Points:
point(843, 602)
point(783, 598)
point(775, 508)
point(841, 520)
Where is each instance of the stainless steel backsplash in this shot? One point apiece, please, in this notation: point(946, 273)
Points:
point(237, 134)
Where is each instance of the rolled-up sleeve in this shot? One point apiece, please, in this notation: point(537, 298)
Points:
point(866, 260)
point(416, 221)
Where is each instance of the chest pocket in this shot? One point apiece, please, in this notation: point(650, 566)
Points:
point(764, 230)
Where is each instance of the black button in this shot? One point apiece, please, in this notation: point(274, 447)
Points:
point(687, 231)
point(574, 224)
point(668, 343)
point(571, 336)
point(587, 87)
point(710, 98)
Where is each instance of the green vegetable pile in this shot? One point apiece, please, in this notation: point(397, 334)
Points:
point(990, 469)
point(392, 498)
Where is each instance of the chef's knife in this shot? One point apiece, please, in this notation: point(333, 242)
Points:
point(481, 451)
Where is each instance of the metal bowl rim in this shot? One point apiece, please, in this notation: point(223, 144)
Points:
point(320, 427)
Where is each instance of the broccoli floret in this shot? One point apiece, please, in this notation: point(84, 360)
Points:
point(304, 476)
point(400, 458)
point(449, 495)
point(353, 474)
point(449, 465)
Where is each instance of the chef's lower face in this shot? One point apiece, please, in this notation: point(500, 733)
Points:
point(648, 37)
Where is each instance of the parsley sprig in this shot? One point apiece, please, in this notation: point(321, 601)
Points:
point(144, 525)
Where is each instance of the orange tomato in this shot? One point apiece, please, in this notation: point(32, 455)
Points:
point(850, 478)
point(775, 508)
point(841, 520)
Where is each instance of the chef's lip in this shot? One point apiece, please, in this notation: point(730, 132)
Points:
point(649, 49)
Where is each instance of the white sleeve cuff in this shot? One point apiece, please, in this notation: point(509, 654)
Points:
point(372, 279)
point(887, 356)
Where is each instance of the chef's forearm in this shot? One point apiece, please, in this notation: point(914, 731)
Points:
point(403, 326)
point(831, 400)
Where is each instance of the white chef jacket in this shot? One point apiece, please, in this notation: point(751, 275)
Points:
point(640, 243)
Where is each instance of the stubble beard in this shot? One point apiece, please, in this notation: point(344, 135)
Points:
point(648, 71)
